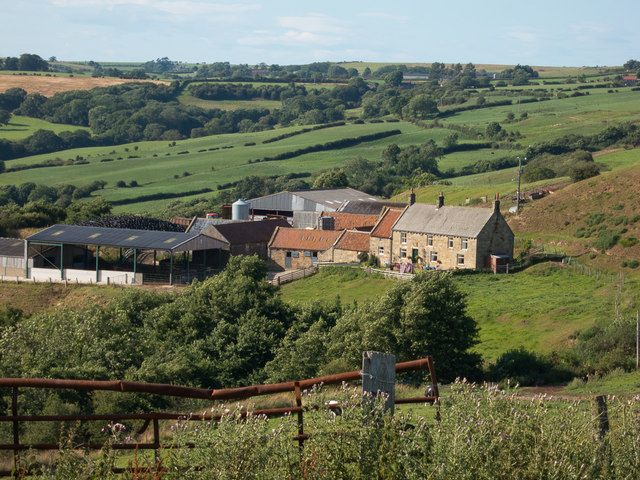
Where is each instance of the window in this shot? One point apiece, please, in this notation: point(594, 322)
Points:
point(307, 253)
point(463, 243)
point(434, 256)
point(450, 240)
point(380, 250)
point(403, 237)
point(403, 253)
point(429, 240)
point(296, 254)
point(460, 259)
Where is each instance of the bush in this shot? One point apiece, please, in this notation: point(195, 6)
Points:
point(606, 239)
point(525, 368)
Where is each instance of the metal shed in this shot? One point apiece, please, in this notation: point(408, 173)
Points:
point(60, 239)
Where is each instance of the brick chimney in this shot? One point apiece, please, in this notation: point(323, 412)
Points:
point(412, 197)
point(440, 202)
point(496, 203)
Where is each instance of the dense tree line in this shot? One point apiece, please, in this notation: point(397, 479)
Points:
point(27, 62)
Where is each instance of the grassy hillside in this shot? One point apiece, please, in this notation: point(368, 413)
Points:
point(538, 308)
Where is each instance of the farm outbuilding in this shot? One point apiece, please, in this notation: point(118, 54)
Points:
point(115, 255)
point(304, 206)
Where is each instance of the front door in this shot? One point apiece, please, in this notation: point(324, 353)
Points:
point(287, 260)
point(414, 255)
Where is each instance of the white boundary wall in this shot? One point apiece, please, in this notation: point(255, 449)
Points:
point(84, 276)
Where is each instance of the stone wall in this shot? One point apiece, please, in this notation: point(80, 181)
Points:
point(374, 248)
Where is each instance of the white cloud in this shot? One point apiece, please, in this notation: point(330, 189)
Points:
point(523, 35)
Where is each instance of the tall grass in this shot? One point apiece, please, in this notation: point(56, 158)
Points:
point(481, 432)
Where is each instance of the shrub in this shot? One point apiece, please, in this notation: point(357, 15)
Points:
point(628, 242)
point(121, 184)
point(605, 240)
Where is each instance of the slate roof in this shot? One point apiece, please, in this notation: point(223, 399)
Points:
point(453, 221)
point(354, 241)
point(12, 247)
point(301, 239)
point(125, 238)
point(348, 221)
point(369, 207)
point(382, 229)
point(247, 232)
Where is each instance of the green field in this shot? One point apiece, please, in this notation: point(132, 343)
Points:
point(537, 308)
point(22, 127)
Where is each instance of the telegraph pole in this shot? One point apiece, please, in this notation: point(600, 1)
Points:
point(518, 195)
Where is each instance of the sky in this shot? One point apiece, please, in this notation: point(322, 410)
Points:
point(557, 33)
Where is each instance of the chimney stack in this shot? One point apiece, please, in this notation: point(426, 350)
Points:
point(412, 197)
point(496, 203)
point(440, 202)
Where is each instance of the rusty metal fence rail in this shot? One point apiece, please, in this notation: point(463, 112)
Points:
point(153, 418)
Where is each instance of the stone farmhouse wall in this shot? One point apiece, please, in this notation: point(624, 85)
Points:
point(445, 252)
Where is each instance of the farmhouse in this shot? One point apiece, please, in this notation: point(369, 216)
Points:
point(295, 248)
point(380, 240)
point(437, 236)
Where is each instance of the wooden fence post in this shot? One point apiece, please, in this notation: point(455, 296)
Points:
point(601, 420)
point(379, 376)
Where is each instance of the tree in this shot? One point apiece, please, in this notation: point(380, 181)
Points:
point(81, 211)
point(424, 316)
point(331, 179)
point(450, 141)
point(5, 117)
point(32, 63)
point(420, 106)
point(394, 78)
point(494, 131)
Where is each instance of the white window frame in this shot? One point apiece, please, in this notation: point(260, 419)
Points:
point(459, 258)
point(450, 242)
point(403, 253)
point(429, 240)
point(381, 250)
point(464, 243)
point(433, 256)
point(403, 237)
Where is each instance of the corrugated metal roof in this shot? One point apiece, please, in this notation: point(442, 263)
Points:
point(454, 221)
point(126, 238)
point(309, 200)
point(12, 247)
point(369, 207)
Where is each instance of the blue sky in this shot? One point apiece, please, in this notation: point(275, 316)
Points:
point(543, 33)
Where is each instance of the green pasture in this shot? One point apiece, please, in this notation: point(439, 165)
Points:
point(537, 308)
point(187, 99)
point(205, 168)
point(554, 118)
point(22, 127)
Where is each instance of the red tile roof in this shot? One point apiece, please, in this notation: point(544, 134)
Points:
point(347, 221)
point(383, 227)
point(301, 239)
point(353, 240)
